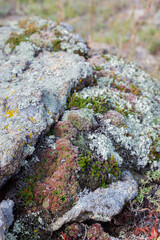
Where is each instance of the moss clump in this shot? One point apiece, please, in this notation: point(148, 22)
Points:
point(97, 68)
point(23, 23)
point(58, 189)
point(31, 28)
point(15, 39)
point(99, 172)
point(56, 45)
point(98, 104)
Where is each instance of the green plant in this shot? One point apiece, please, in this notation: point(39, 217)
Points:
point(98, 104)
point(147, 186)
point(56, 45)
point(15, 39)
point(98, 170)
point(97, 68)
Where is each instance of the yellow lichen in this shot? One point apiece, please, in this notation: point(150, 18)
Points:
point(10, 113)
point(13, 92)
point(32, 119)
point(5, 128)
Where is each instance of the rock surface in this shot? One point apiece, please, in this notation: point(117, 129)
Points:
point(33, 94)
point(110, 125)
point(102, 204)
point(6, 217)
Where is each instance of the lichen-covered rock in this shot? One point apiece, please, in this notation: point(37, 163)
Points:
point(44, 34)
point(101, 204)
point(129, 91)
point(111, 124)
point(6, 217)
point(34, 86)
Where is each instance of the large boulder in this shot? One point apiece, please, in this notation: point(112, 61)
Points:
point(108, 131)
point(34, 86)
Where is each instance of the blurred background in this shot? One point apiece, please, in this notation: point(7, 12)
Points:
point(128, 28)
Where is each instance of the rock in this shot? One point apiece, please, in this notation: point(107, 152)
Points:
point(80, 169)
point(129, 91)
point(6, 217)
point(101, 204)
point(34, 86)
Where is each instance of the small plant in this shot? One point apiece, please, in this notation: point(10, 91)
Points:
point(97, 68)
point(147, 187)
point(15, 39)
point(31, 28)
point(65, 129)
point(98, 104)
point(56, 45)
point(154, 154)
point(100, 171)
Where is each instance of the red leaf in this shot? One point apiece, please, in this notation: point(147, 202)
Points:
point(154, 233)
point(137, 231)
point(142, 230)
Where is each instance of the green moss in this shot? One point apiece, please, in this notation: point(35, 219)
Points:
point(56, 45)
point(97, 68)
point(15, 39)
point(106, 57)
point(99, 172)
point(98, 104)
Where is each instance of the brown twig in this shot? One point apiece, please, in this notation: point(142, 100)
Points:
point(60, 11)
point(135, 30)
point(91, 19)
point(85, 235)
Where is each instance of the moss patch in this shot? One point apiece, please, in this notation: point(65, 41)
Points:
point(100, 172)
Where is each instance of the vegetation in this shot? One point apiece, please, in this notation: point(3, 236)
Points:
point(99, 172)
point(15, 39)
point(98, 104)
